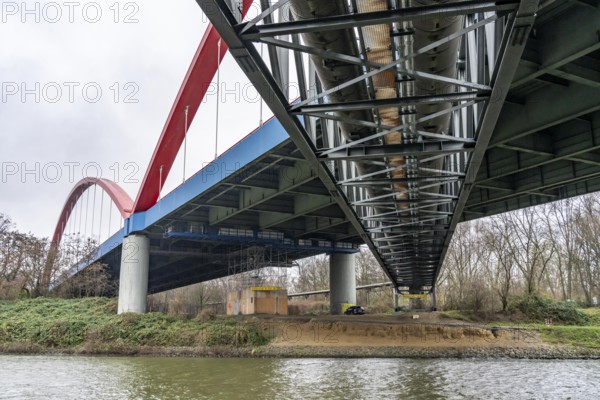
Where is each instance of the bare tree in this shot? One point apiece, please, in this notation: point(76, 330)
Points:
point(94, 280)
point(313, 274)
point(561, 226)
point(367, 269)
point(497, 238)
point(587, 229)
point(532, 248)
point(22, 259)
point(463, 270)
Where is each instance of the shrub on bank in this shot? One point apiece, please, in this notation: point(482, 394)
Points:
point(594, 314)
point(540, 309)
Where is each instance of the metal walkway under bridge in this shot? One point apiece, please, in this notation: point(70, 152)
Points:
point(413, 115)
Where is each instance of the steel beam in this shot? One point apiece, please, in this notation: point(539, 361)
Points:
point(396, 102)
point(289, 178)
point(352, 21)
point(571, 146)
point(546, 177)
point(329, 55)
point(409, 149)
point(564, 42)
point(316, 224)
point(546, 108)
point(387, 182)
point(579, 74)
point(566, 190)
point(303, 204)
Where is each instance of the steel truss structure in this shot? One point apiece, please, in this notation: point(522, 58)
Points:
point(258, 266)
point(398, 101)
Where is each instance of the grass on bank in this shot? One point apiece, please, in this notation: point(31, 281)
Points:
point(570, 325)
point(93, 322)
point(584, 336)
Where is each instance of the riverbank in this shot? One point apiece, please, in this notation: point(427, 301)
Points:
point(542, 353)
point(91, 327)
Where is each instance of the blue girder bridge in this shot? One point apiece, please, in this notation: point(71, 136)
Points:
point(260, 193)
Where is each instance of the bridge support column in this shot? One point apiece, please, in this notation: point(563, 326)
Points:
point(415, 303)
point(342, 281)
point(133, 281)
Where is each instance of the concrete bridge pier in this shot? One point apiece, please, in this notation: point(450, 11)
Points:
point(133, 281)
point(342, 281)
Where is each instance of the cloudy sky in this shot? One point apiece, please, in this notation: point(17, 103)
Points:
point(86, 90)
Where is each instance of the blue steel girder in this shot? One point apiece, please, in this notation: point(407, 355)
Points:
point(396, 136)
point(288, 179)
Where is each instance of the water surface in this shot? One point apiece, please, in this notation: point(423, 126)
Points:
point(58, 377)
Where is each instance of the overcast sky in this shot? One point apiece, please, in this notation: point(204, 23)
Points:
point(51, 52)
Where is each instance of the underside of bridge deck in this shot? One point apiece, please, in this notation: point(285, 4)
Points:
point(546, 145)
point(399, 100)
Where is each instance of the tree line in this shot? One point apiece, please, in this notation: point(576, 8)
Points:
point(30, 265)
point(550, 250)
point(22, 261)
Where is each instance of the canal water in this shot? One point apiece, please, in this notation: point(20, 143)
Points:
point(59, 377)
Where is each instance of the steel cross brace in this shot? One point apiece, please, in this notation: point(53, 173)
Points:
point(408, 149)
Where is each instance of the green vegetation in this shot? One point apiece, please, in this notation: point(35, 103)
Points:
point(92, 323)
point(539, 309)
point(531, 310)
point(570, 325)
point(584, 336)
point(594, 315)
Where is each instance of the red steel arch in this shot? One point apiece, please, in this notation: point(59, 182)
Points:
point(193, 89)
point(119, 197)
